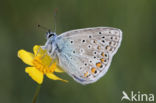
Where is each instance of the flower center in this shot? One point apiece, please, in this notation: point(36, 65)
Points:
point(43, 67)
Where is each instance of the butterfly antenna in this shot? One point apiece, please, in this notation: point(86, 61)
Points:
point(55, 20)
point(44, 28)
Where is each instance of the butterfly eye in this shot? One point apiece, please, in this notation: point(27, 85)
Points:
point(50, 35)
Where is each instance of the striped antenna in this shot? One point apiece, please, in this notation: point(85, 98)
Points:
point(55, 11)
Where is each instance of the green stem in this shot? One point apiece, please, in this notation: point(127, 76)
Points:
point(36, 93)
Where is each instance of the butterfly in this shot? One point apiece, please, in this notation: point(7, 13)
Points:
point(85, 54)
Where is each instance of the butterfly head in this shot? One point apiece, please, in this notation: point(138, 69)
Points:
point(50, 34)
point(50, 43)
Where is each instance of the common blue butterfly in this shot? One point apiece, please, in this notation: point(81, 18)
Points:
point(85, 54)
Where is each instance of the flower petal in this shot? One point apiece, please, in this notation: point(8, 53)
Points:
point(54, 77)
point(58, 69)
point(35, 49)
point(26, 57)
point(35, 74)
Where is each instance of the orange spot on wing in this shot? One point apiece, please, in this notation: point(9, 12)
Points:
point(85, 75)
point(103, 54)
point(93, 70)
point(99, 47)
point(108, 48)
point(102, 60)
point(98, 64)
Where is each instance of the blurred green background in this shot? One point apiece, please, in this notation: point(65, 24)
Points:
point(133, 67)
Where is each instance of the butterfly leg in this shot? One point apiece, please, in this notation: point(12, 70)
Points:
point(38, 51)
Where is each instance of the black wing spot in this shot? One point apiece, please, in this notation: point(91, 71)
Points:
point(89, 46)
point(103, 41)
point(95, 71)
point(81, 51)
point(100, 33)
point(103, 37)
point(83, 41)
point(90, 36)
point(71, 42)
point(85, 64)
point(94, 52)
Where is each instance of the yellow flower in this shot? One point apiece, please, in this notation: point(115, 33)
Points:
point(41, 64)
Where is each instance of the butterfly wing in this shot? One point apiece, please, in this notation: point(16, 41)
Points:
point(86, 54)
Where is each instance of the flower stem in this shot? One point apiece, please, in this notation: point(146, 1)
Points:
point(36, 93)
